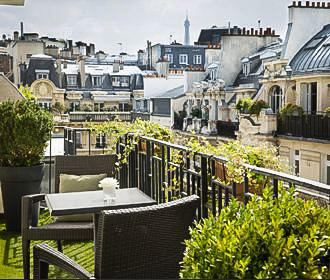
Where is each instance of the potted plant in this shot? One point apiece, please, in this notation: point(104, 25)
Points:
point(25, 129)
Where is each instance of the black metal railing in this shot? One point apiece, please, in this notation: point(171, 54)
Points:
point(227, 129)
point(314, 126)
point(153, 167)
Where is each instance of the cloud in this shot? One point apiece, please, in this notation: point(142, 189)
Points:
point(133, 22)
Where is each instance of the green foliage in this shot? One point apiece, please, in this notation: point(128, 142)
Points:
point(248, 106)
point(87, 108)
point(25, 128)
point(116, 129)
point(269, 238)
point(290, 110)
point(58, 107)
point(327, 111)
point(26, 91)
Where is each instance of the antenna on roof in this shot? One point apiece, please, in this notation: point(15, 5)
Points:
point(259, 23)
point(171, 39)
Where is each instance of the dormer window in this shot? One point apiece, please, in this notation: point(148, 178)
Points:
point(246, 69)
point(72, 80)
point(97, 81)
point(42, 74)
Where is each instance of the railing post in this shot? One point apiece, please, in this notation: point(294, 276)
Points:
point(275, 183)
point(89, 142)
point(148, 169)
point(204, 187)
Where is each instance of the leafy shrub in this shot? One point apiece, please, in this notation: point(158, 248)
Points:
point(25, 128)
point(269, 238)
point(58, 107)
point(248, 106)
point(291, 109)
point(26, 91)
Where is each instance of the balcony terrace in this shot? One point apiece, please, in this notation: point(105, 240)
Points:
point(153, 168)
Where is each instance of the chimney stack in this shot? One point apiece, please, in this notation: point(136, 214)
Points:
point(299, 3)
point(16, 36)
point(307, 3)
point(116, 66)
point(81, 60)
point(229, 27)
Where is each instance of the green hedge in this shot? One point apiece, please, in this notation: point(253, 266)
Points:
point(269, 238)
point(25, 128)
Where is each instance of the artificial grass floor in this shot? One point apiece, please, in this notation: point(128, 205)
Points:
point(11, 262)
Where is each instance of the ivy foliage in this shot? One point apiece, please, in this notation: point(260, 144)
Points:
point(248, 106)
point(25, 129)
point(291, 109)
point(268, 238)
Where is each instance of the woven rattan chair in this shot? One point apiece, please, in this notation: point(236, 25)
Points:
point(77, 165)
point(145, 242)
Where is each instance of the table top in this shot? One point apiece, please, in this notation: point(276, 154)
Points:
point(93, 201)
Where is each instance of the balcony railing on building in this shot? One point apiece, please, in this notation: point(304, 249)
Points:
point(314, 126)
point(99, 116)
point(152, 167)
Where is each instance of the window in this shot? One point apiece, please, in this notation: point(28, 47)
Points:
point(197, 59)
point(183, 59)
point(100, 141)
point(276, 98)
point(74, 106)
point(213, 74)
point(78, 140)
point(167, 50)
point(72, 80)
point(296, 161)
point(169, 57)
point(97, 81)
point(98, 107)
point(124, 107)
point(120, 81)
point(45, 105)
point(42, 76)
point(246, 69)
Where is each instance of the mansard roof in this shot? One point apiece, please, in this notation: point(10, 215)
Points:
point(314, 56)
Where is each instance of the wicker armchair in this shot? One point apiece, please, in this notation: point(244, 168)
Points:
point(77, 165)
point(145, 242)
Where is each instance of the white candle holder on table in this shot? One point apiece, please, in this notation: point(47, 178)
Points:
point(109, 186)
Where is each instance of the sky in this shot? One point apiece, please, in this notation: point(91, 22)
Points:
point(132, 22)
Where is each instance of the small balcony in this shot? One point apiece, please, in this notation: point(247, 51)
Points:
point(99, 116)
point(312, 126)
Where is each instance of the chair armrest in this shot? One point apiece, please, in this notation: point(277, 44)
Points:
point(44, 255)
point(26, 214)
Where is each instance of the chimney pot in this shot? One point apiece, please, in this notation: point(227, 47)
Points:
point(252, 31)
point(244, 30)
point(248, 32)
point(318, 4)
point(323, 4)
point(328, 4)
point(273, 32)
point(261, 31)
point(307, 3)
point(299, 3)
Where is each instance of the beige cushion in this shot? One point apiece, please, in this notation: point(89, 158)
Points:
point(82, 183)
